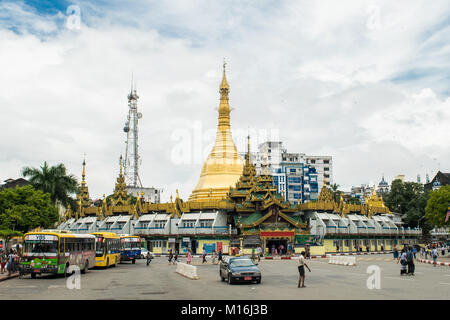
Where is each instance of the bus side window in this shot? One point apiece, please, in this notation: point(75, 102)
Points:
point(61, 245)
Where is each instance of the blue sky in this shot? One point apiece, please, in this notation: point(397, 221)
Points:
point(367, 84)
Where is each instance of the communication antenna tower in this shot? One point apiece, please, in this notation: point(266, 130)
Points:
point(132, 161)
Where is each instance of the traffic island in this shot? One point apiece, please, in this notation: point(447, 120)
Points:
point(187, 270)
point(436, 263)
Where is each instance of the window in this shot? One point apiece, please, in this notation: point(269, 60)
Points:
point(292, 170)
point(160, 224)
point(188, 223)
point(313, 161)
point(206, 223)
point(326, 175)
point(326, 169)
point(326, 161)
point(294, 180)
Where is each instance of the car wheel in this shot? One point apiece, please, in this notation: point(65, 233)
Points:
point(107, 262)
point(230, 279)
point(258, 281)
point(221, 278)
point(33, 276)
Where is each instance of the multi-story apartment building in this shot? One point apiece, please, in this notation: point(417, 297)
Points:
point(298, 177)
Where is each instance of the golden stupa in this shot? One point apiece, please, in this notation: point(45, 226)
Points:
point(224, 165)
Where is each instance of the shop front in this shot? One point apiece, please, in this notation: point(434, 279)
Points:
point(277, 242)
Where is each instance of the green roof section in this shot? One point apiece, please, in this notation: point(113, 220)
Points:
point(252, 218)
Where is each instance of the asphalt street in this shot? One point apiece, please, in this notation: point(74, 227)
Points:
point(279, 281)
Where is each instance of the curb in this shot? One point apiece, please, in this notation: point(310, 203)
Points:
point(10, 277)
point(437, 263)
point(358, 253)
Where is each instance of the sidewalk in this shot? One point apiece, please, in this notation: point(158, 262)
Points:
point(289, 257)
point(4, 276)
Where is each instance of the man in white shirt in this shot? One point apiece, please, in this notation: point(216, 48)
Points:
point(301, 270)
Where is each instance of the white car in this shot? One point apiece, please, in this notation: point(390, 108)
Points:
point(145, 252)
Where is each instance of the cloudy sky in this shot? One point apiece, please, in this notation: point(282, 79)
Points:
point(367, 82)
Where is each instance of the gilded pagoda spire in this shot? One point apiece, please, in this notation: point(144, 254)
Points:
point(120, 196)
point(325, 194)
point(223, 167)
point(83, 194)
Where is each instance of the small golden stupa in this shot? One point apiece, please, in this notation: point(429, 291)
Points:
point(224, 165)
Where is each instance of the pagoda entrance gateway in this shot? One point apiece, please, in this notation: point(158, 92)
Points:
point(273, 245)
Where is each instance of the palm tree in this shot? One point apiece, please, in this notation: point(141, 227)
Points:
point(53, 180)
point(335, 192)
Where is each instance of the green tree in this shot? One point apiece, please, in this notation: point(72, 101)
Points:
point(24, 208)
point(7, 234)
point(53, 180)
point(335, 192)
point(410, 200)
point(353, 200)
point(437, 206)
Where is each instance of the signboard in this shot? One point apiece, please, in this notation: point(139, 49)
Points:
point(252, 240)
point(171, 240)
point(41, 237)
point(277, 234)
point(186, 239)
point(131, 239)
point(312, 240)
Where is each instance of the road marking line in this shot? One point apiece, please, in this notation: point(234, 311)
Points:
point(56, 286)
point(322, 270)
point(399, 278)
point(445, 283)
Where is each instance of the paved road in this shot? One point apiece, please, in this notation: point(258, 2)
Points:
point(160, 281)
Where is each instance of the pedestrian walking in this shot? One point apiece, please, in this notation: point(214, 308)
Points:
point(403, 263)
point(149, 258)
point(253, 254)
point(213, 257)
point(443, 250)
point(220, 254)
point(258, 253)
point(204, 256)
point(10, 266)
point(434, 254)
point(395, 251)
point(410, 261)
point(414, 252)
point(3, 261)
point(175, 259)
point(188, 256)
point(170, 256)
point(301, 269)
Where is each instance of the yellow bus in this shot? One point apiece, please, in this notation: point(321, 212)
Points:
point(54, 251)
point(107, 249)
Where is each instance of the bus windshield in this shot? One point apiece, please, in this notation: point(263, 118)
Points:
point(131, 245)
point(41, 246)
point(99, 247)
